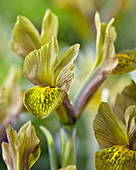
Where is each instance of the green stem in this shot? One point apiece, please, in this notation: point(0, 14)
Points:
point(51, 150)
point(68, 147)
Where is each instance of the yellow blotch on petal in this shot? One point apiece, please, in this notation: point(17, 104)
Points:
point(41, 101)
point(115, 158)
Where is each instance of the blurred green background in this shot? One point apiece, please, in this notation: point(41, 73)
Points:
point(76, 25)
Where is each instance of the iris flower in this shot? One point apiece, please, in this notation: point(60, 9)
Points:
point(53, 79)
point(22, 151)
point(115, 133)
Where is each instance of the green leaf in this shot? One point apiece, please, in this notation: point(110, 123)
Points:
point(126, 64)
point(25, 37)
point(115, 158)
point(41, 101)
point(108, 128)
point(50, 141)
point(17, 152)
point(39, 64)
point(49, 26)
point(125, 99)
point(64, 71)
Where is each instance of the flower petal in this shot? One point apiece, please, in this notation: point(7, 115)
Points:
point(49, 26)
point(64, 71)
point(116, 157)
point(70, 167)
point(41, 101)
point(20, 147)
point(108, 128)
point(106, 35)
point(25, 37)
point(125, 99)
point(126, 64)
point(39, 64)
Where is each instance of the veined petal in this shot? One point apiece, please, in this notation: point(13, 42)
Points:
point(130, 118)
point(39, 64)
point(106, 35)
point(126, 64)
point(116, 158)
point(125, 99)
point(49, 26)
point(41, 101)
point(25, 37)
point(64, 71)
point(108, 128)
point(17, 154)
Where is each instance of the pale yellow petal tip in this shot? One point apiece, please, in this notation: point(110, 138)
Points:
point(70, 167)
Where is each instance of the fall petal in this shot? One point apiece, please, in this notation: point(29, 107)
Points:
point(25, 37)
point(115, 157)
point(41, 101)
point(108, 128)
point(64, 71)
point(126, 64)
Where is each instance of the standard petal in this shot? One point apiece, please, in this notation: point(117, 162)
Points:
point(39, 64)
point(25, 37)
point(126, 64)
point(64, 71)
point(115, 158)
point(108, 128)
point(125, 99)
point(41, 101)
point(106, 35)
point(49, 26)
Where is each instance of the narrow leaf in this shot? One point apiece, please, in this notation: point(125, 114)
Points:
point(50, 141)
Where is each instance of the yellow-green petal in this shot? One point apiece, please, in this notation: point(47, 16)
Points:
point(108, 128)
point(115, 158)
point(106, 35)
point(41, 101)
point(125, 99)
point(39, 64)
point(64, 71)
point(49, 26)
point(21, 147)
point(25, 37)
point(126, 64)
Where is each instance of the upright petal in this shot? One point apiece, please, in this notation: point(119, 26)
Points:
point(125, 99)
point(19, 152)
point(127, 62)
point(115, 158)
point(39, 64)
point(41, 101)
point(25, 37)
point(64, 71)
point(108, 128)
point(49, 26)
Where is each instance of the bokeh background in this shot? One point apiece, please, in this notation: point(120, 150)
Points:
point(76, 25)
